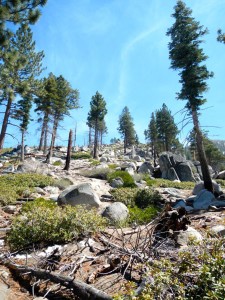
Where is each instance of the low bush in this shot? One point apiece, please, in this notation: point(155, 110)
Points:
point(159, 182)
point(63, 183)
point(147, 197)
point(94, 162)
point(99, 173)
point(81, 155)
point(124, 195)
point(142, 216)
point(43, 222)
point(197, 273)
point(14, 186)
point(57, 163)
point(126, 177)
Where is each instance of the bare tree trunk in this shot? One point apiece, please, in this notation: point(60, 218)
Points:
point(68, 156)
point(5, 122)
point(22, 146)
point(201, 153)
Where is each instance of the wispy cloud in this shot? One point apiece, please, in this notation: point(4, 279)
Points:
point(125, 54)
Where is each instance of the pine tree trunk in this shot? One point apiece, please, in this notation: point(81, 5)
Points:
point(96, 141)
point(45, 139)
point(54, 130)
point(42, 136)
point(22, 146)
point(68, 156)
point(5, 122)
point(201, 153)
point(89, 137)
point(125, 145)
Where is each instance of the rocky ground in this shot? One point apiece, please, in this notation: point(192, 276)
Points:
point(103, 260)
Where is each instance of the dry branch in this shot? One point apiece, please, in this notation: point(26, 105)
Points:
point(80, 289)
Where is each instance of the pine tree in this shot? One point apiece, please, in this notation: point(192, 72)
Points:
point(17, 11)
point(166, 128)
point(152, 136)
point(126, 128)
point(95, 118)
point(47, 93)
point(187, 57)
point(19, 68)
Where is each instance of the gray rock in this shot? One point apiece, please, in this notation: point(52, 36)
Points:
point(175, 167)
point(137, 158)
point(184, 237)
point(221, 175)
point(103, 159)
point(218, 229)
point(81, 194)
point(116, 212)
point(146, 168)
point(128, 164)
point(172, 174)
point(182, 203)
point(130, 171)
point(203, 200)
point(9, 209)
point(200, 186)
point(117, 182)
point(184, 172)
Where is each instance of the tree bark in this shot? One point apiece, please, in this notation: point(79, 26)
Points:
point(201, 153)
point(95, 155)
point(22, 146)
point(5, 122)
point(54, 130)
point(68, 156)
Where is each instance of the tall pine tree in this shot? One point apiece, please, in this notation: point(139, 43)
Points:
point(96, 117)
point(187, 57)
point(126, 128)
point(19, 68)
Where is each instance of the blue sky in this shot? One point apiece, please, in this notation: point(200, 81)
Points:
point(120, 48)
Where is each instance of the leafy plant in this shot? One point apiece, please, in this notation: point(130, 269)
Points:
point(126, 177)
point(99, 173)
point(57, 163)
point(124, 195)
point(147, 197)
point(81, 155)
point(42, 221)
point(142, 216)
point(197, 273)
point(159, 182)
point(14, 186)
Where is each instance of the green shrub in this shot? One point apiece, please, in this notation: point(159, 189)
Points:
point(81, 155)
point(142, 216)
point(124, 195)
point(126, 177)
point(94, 162)
point(14, 186)
point(57, 163)
point(47, 223)
point(63, 183)
point(112, 166)
point(147, 197)
point(99, 173)
point(198, 273)
point(159, 182)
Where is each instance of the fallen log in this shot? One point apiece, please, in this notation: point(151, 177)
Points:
point(82, 290)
